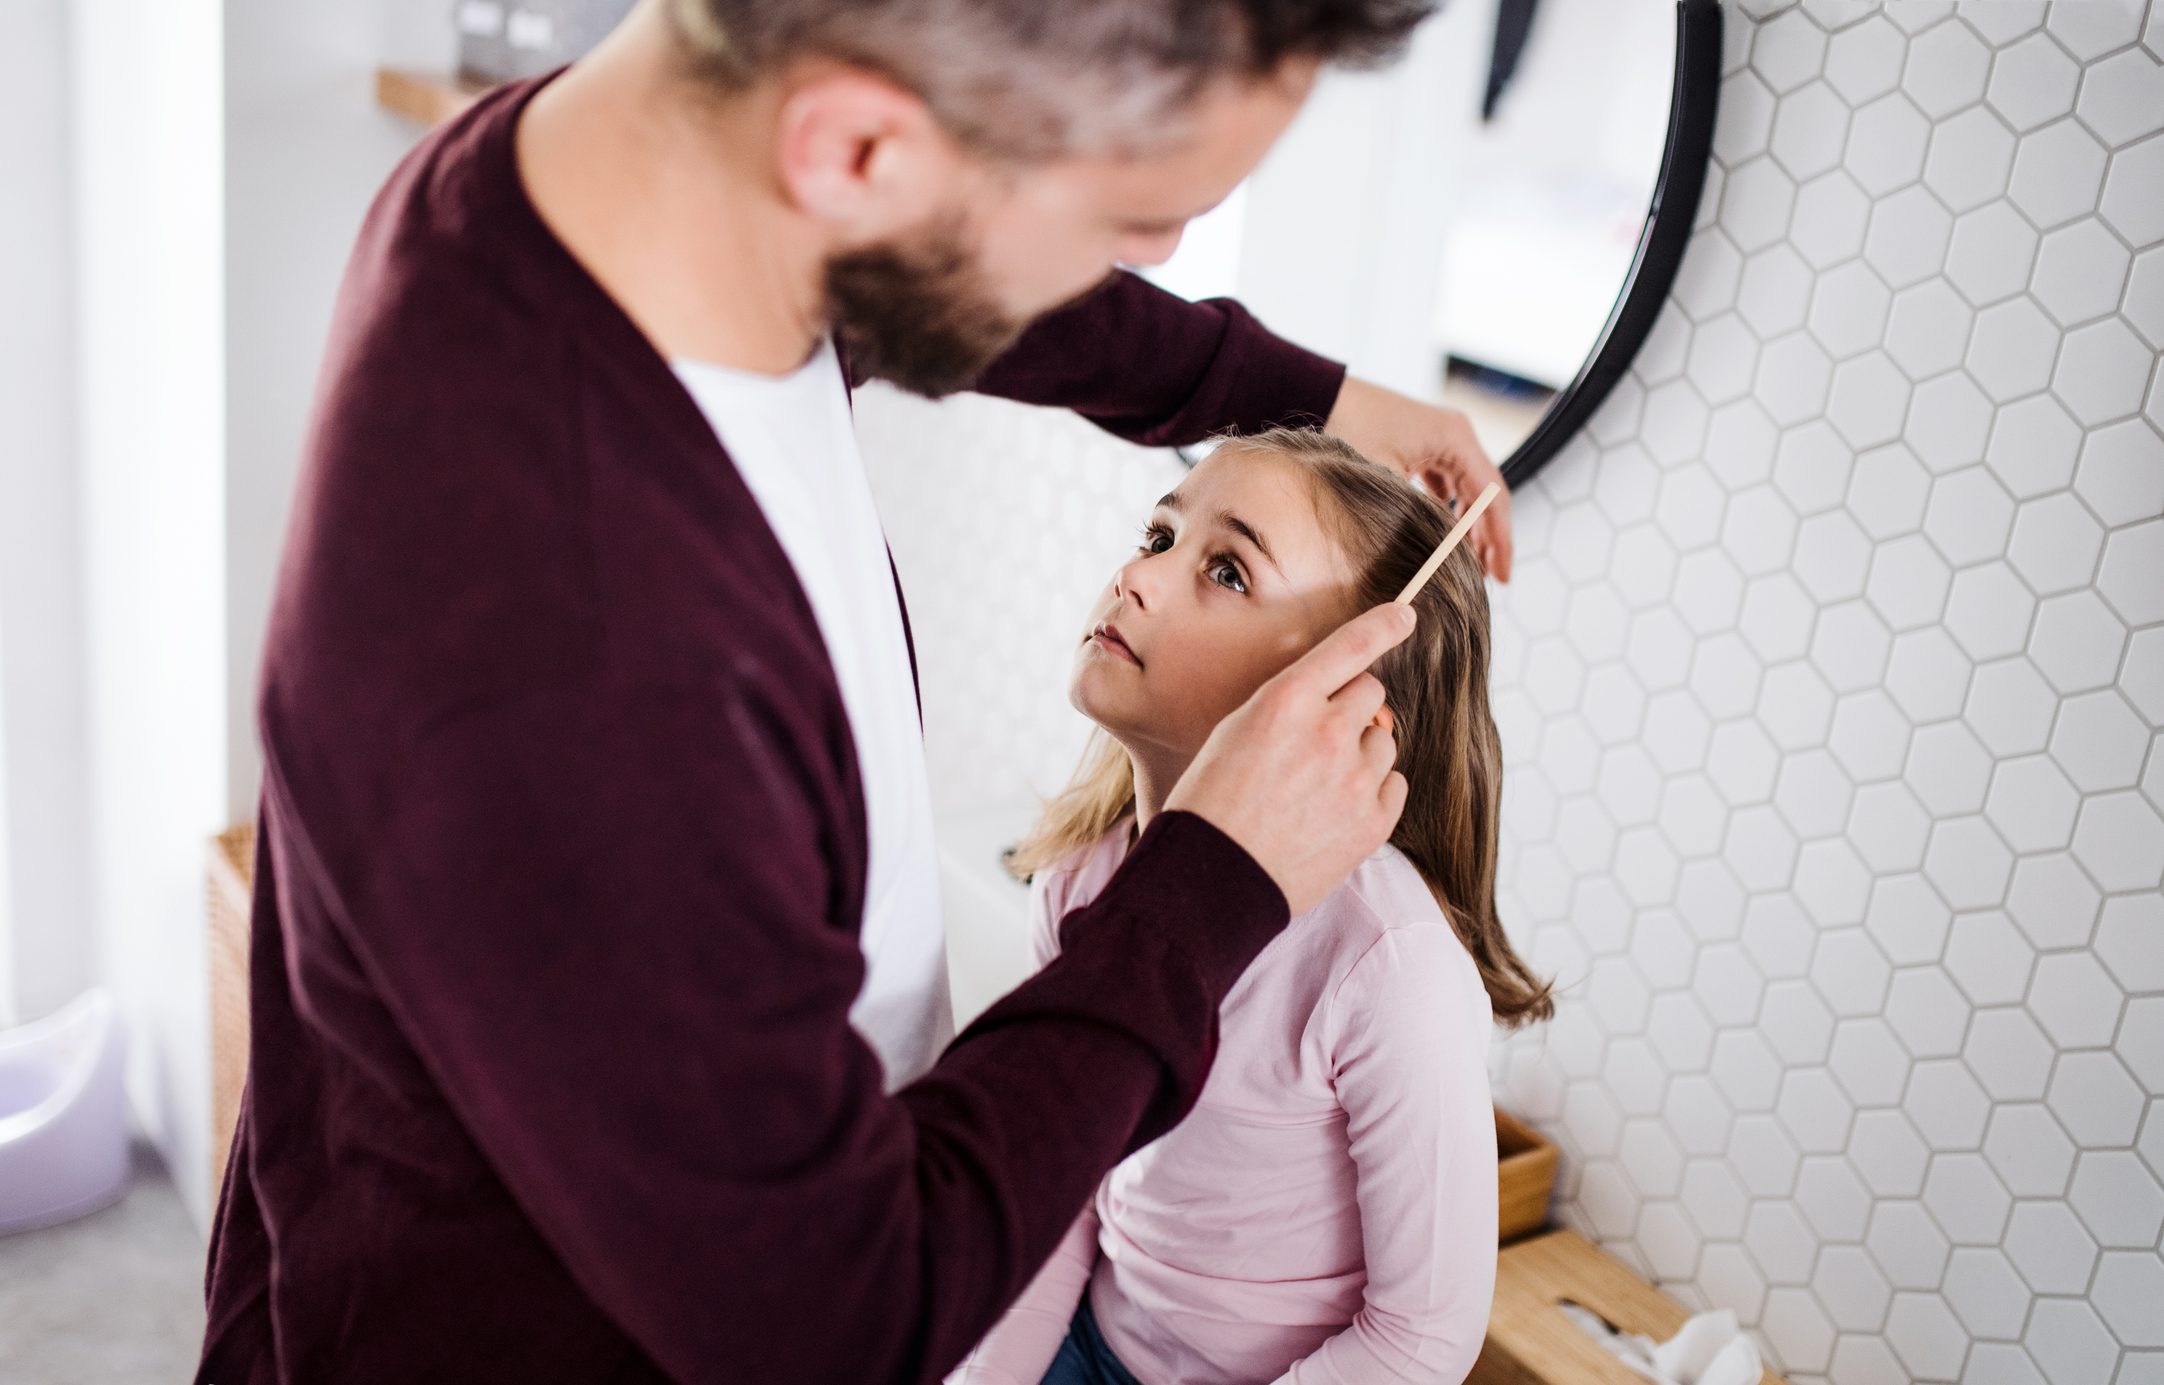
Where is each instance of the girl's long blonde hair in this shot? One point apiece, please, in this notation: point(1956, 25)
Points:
point(1437, 686)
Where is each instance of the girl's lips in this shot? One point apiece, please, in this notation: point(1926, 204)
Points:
point(1110, 638)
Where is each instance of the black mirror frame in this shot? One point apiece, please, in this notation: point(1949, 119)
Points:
point(1670, 218)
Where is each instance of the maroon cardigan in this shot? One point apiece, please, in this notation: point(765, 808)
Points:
point(562, 862)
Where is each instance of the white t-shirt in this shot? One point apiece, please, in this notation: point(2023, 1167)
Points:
point(794, 441)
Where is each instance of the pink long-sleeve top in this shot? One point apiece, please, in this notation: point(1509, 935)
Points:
point(1325, 1215)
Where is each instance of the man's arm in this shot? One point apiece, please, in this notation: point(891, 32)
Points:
point(605, 920)
point(1021, 1346)
point(1158, 370)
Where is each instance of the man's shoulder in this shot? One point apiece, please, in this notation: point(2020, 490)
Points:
point(442, 539)
point(454, 284)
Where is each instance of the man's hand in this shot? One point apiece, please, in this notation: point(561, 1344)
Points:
point(1436, 447)
point(1300, 774)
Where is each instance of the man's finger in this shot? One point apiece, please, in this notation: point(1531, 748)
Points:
point(1360, 699)
point(1378, 749)
point(1496, 525)
point(1498, 548)
point(1393, 796)
point(1346, 652)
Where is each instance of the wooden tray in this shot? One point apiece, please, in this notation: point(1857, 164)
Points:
point(1525, 1175)
point(1531, 1342)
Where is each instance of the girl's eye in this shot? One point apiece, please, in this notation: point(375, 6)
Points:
point(1220, 565)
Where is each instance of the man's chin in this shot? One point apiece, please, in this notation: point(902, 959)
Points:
point(918, 314)
point(933, 364)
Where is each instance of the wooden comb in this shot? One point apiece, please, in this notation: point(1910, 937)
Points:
point(1450, 541)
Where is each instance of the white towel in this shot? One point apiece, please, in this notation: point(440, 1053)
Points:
point(1709, 1349)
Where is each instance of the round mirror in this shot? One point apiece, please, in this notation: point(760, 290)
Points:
point(1493, 222)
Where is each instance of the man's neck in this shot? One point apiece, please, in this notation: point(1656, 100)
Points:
point(667, 196)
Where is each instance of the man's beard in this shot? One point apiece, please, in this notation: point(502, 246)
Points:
point(917, 313)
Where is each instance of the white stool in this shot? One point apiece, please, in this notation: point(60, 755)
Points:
point(63, 1115)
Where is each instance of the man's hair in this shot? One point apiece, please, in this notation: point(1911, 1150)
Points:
point(1032, 79)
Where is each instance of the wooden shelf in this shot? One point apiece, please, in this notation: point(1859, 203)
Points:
point(1529, 1340)
point(427, 97)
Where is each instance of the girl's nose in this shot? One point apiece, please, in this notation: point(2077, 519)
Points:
point(1136, 581)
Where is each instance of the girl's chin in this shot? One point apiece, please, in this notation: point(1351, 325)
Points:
point(1115, 715)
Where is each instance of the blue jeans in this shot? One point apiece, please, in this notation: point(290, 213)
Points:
point(1083, 1358)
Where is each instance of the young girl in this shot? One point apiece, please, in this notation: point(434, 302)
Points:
point(1326, 1215)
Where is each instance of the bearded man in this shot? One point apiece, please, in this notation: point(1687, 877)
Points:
point(599, 1014)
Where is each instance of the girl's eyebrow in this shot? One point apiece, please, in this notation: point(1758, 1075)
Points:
point(1171, 501)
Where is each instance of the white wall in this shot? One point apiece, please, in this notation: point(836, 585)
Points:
point(49, 953)
point(148, 207)
point(1590, 96)
point(1344, 221)
point(9, 1010)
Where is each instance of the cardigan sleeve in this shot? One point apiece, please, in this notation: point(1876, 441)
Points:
point(1020, 1347)
point(603, 918)
point(1411, 1072)
point(1156, 369)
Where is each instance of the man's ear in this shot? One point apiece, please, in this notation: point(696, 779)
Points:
point(861, 154)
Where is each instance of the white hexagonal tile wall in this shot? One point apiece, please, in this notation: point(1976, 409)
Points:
point(2121, 475)
point(1828, 223)
point(1949, 422)
point(1908, 236)
point(2009, 1054)
point(2056, 543)
point(2011, 349)
point(2118, 1199)
point(1864, 60)
point(2058, 172)
point(2031, 1154)
point(2092, 30)
point(1970, 156)
point(2067, 1340)
point(2081, 269)
point(1985, 1293)
point(2034, 442)
point(2102, 370)
point(1909, 1247)
point(2050, 1248)
point(1991, 252)
point(2133, 200)
point(2032, 81)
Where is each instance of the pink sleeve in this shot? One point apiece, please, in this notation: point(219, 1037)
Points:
point(1412, 1075)
point(1047, 906)
point(1020, 1347)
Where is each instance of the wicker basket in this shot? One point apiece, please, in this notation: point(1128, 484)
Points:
point(230, 889)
